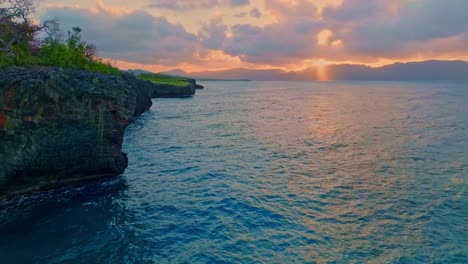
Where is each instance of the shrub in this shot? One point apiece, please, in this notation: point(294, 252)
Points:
point(19, 45)
point(74, 53)
point(19, 57)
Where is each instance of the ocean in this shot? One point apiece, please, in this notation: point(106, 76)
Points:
point(270, 172)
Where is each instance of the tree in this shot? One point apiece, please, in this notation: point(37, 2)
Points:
point(53, 31)
point(16, 27)
point(20, 44)
point(74, 42)
point(19, 10)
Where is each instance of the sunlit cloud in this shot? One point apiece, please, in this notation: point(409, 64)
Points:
point(324, 36)
point(286, 34)
point(198, 4)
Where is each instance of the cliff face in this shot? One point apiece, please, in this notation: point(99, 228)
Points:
point(144, 92)
point(169, 91)
point(166, 86)
point(60, 126)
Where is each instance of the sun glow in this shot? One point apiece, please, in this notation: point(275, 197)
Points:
point(322, 73)
point(322, 70)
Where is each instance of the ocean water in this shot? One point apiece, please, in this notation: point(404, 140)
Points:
point(270, 172)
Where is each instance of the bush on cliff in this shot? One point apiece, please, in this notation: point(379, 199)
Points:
point(21, 46)
point(21, 57)
point(73, 53)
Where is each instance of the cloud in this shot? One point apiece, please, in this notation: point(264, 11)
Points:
point(285, 32)
point(255, 13)
point(292, 38)
point(213, 34)
point(240, 15)
point(274, 44)
point(412, 24)
point(135, 36)
point(198, 4)
point(291, 10)
point(355, 30)
point(354, 10)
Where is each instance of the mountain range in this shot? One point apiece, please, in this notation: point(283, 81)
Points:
point(426, 70)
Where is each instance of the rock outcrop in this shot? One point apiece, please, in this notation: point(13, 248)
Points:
point(169, 91)
point(62, 126)
point(160, 90)
point(144, 92)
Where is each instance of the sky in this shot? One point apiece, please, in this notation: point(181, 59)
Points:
point(196, 35)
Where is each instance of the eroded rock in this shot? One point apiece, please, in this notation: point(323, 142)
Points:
point(60, 126)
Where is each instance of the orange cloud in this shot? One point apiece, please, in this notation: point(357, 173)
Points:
point(286, 34)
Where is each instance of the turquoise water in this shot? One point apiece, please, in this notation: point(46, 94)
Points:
point(270, 172)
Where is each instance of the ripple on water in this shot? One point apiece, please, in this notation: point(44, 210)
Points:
point(270, 173)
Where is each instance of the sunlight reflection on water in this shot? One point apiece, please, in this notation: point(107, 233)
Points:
point(275, 172)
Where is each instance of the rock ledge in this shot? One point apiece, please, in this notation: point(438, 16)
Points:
point(59, 126)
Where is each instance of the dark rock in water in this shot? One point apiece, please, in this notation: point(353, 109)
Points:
point(62, 126)
point(170, 91)
point(194, 83)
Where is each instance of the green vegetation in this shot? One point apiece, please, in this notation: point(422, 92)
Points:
point(164, 79)
point(21, 46)
point(73, 53)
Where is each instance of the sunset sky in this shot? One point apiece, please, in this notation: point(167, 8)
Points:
point(196, 35)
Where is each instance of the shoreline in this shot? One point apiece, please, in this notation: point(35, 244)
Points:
point(61, 127)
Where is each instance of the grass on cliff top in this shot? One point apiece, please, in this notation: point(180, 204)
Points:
point(70, 53)
point(164, 79)
point(58, 55)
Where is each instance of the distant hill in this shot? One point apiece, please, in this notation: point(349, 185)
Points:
point(176, 72)
point(181, 73)
point(138, 72)
point(426, 70)
point(242, 74)
point(237, 74)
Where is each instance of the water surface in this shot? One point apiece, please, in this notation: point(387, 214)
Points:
point(271, 172)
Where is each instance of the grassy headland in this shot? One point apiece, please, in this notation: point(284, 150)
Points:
point(164, 79)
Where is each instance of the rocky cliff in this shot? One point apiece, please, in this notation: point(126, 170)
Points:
point(160, 90)
point(61, 126)
point(170, 91)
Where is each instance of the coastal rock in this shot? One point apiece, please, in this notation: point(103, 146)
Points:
point(170, 91)
point(194, 83)
point(62, 126)
point(161, 90)
point(144, 92)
